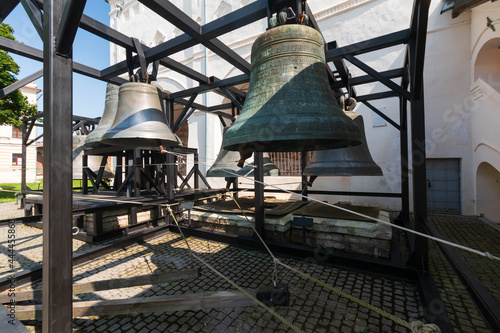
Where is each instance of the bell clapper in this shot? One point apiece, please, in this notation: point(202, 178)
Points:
point(245, 153)
point(311, 181)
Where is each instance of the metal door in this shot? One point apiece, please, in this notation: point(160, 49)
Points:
point(443, 185)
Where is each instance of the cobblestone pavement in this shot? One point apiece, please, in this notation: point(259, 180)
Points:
point(10, 210)
point(472, 232)
point(28, 242)
point(313, 308)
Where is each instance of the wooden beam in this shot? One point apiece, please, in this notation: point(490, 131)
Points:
point(186, 302)
point(88, 287)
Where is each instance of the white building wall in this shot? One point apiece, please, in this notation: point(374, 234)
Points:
point(451, 48)
point(9, 146)
point(485, 115)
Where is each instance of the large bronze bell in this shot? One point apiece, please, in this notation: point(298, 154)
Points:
point(140, 121)
point(110, 105)
point(290, 105)
point(226, 165)
point(350, 161)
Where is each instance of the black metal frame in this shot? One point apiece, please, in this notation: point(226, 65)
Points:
point(59, 23)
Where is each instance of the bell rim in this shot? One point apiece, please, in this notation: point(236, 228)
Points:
point(293, 144)
point(350, 169)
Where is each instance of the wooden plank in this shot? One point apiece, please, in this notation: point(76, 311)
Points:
point(168, 303)
point(87, 287)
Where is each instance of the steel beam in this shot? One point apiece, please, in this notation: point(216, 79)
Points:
point(99, 29)
point(260, 212)
point(416, 53)
point(6, 7)
point(343, 72)
point(403, 144)
point(211, 86)
point(20, 49)
point(359, 80)
point(184, 22)
point(21, 83)
point(237, 19)
point(57, 175)
point(36, 54)
point(419, 21)
point(321, 192)
point(72, 15)
point(377, 43)
point(374, 96)
point(382, 79)
point(35, 14)
point(232, 98)
point(385, 117)
point(177, 124)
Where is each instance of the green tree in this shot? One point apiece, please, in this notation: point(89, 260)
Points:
point(13, 107)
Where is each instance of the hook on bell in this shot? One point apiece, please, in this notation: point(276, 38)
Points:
point(290, 105)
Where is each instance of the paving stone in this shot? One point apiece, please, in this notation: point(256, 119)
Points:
point(312, 308)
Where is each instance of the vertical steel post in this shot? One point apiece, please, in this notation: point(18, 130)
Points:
point(171, 176)
point(170, 159)
point(416, 56)
point(85, 181)
point(403, 143)
point(137, 172)
point(421, 256)
point(57, 174)
point(24, 139)
point(259, 194)
point(196, 171)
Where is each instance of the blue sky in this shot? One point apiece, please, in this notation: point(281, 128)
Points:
point(90, 50)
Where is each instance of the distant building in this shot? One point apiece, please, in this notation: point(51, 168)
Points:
point(462, 89)
point(11, 147)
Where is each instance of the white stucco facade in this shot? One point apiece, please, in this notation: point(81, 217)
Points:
point(462, 87)
point(11, 148)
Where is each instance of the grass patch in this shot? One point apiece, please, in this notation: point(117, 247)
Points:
point(8, 196)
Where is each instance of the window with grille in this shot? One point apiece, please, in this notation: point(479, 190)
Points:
point(17, 159)
point(289, 163)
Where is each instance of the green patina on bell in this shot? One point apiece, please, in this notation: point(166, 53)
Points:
point(349, 161)
point(290, 105)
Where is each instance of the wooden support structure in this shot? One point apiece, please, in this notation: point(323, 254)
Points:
point(185, 302)
point(88, 287)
